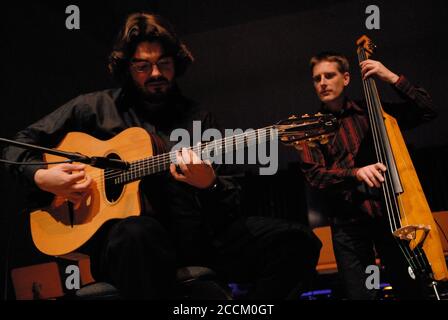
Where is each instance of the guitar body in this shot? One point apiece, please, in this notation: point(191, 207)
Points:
point(51, 227)
point(412, 201)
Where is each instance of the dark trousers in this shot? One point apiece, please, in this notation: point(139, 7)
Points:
point(354, 242)
point(138, 257)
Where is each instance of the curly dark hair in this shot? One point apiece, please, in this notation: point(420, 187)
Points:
point(145, 26)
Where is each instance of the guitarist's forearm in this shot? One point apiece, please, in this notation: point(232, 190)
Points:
point(24, 173)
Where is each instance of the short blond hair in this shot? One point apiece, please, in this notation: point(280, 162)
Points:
point(340, 59)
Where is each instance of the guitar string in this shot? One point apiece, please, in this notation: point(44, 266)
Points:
point(228, 141)
point(158, 160)
point(165, 156)
point(150, 164)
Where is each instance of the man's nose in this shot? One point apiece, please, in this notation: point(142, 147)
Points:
point(155, 71)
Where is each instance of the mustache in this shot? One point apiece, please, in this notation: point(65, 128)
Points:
point(157, 79)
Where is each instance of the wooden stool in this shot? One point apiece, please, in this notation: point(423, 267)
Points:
point(36, 282)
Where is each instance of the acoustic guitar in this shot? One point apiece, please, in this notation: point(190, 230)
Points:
point(62, 227)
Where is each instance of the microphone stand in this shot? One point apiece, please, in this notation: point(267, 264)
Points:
point(98, 162)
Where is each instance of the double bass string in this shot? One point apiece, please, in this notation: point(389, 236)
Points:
point(375, 117)
point(393, 207)
point(390, 200)
point(367, 84)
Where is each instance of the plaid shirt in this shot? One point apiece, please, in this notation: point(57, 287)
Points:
point(332, 167)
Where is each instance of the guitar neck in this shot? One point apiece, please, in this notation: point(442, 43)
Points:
point(207, 151)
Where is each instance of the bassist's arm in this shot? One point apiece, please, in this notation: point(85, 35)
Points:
point(417, 106)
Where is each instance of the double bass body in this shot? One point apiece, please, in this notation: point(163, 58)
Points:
point(408, 211)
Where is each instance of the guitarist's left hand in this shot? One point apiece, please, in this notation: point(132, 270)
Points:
point(195, 172)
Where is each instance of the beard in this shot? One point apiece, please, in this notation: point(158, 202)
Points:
point(155, 90)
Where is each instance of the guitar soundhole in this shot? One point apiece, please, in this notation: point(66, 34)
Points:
point(113, 191)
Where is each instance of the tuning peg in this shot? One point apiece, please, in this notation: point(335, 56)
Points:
point(318, 114)
point(306, 115)
point(293, 117)
point(298, 145)
point(324, 139)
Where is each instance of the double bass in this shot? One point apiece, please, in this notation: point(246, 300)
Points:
point(408, 213)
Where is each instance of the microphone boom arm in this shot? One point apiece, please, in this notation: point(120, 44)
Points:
point(98, 162)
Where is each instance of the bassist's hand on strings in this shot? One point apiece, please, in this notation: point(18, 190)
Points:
point(372, 174)
point(65, 180)
point(375, 68)
point(195, 172)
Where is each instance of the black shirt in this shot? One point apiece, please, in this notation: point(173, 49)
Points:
point(190, 214)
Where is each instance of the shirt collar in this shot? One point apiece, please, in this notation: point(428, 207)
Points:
point(350, 106)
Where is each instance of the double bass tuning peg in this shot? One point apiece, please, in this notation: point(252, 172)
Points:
point(324, 139)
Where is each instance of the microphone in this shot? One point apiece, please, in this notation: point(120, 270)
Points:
point(106, 163)
point(98, 162)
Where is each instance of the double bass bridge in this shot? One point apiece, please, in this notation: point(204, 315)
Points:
point(413, 232)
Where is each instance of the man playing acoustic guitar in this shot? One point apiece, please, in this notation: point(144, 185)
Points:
point(189, 215)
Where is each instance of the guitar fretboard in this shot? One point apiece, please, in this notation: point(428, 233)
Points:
point(207, 151)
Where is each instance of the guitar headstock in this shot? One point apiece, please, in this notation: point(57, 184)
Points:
point(366, 46)
point(297, 130)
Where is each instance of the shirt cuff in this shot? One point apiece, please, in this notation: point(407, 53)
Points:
point(350, 173)
point(403, 85)
point(30, 171)
point(216, 186)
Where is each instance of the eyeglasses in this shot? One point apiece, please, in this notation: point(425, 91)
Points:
point(163, 65)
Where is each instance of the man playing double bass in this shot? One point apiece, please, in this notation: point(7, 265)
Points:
point(349, 177)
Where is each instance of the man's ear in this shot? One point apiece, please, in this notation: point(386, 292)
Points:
point(346, 79)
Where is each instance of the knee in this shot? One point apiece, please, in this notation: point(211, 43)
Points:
point(302, 245)
point(141, 239)
point(138, 229)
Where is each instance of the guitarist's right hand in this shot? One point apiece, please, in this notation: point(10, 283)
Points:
point(66, 180)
